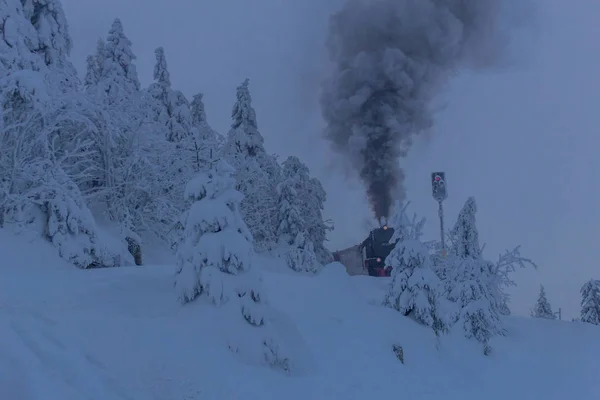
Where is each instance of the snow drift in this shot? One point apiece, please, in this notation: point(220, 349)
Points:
point(119, 334)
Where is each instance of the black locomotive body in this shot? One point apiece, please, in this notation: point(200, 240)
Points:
point(375, 250)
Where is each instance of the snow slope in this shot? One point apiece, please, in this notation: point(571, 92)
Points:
point(119, 334)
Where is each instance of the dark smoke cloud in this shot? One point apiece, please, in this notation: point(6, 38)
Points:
point(392, 57)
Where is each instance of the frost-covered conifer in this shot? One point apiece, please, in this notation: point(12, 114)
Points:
point(198, 116)
point(168, 113)
point(590, 302)
point(119, 80)
point(206, 140)
point(215, 260)
point(112, 83)
point(94, 64)
point(298, 249)
point(53, 43)
point(217, 243)
point(244, 134)
point(471, 281)
point(243, 149)
point(70, 225)
point(132, 164)
point(48, 18)
point(415, 289)
point(469, 287)
point(259, 205)
point(44, 125)
point(311, 198)
point(300, 255)
point(170, 106)
point(465, 237)
point(542, 308)
point(289, 221)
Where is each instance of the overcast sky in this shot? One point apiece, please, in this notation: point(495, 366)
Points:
point(522, 140)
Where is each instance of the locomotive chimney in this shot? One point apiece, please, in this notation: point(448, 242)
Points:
point(383, 222)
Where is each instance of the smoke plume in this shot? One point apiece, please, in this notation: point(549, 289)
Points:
point(391, 58)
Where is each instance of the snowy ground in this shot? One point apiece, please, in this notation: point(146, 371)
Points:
point(119, 334)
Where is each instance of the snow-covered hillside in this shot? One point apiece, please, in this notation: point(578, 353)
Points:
point(119, 333)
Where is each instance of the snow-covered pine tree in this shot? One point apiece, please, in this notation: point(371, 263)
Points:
point(217, 244)
point(542, 308)
point(170, 112)
point(300, 255)
point(112, 86)
point(311, 197)
point(171, 108)
point(298, 250)
point(199, 120)
point(244, 134)
point(70, 225)
point(259, 205)
point(131, 163)
point(244, 150)
point(469, 287)
point(38, 96)
point(215, 259)
point(186, 152)
point(415, 289)
point(54, 42)
point(289, 221)
point(464, 234)
point(206, 140)
point(590, 302)
point(119, 80)
point(94, 62)
point(471, 282)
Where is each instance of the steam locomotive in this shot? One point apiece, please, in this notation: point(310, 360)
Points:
point(375, 249)
point(369, 256)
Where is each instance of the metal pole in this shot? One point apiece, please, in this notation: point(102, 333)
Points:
point(441, 214)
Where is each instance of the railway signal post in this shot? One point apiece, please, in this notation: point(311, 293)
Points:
point(438, 186)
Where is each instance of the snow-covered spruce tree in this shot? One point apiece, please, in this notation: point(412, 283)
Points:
point(244, 150)
point(469, 286)
point(464, 234)
point(298, 249)
point(171, 108)
point(300, 255)
point(542, 308)
point(53, 42)
point(415, 289)
point(215, 259)
point(590, 302)
point(217, 244)
point(112, 85)
point(311, 197)
point(133, 164)
point(41, 121)
point(70, 225)
point(289, 221)
point(94, 63)
point(118, 82)
point(207, 141)
point(470, 282)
